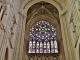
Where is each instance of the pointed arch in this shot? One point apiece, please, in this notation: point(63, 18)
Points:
point(28, 4)
point(46, 17)
point(40, 9)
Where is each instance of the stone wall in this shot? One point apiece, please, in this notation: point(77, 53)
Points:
point(12, 29)
point(72, 30)
point(11, 34)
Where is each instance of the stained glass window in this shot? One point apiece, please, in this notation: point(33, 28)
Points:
point(43, 38)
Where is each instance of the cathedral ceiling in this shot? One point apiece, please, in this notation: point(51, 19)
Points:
point(61, 3)
point(34, 8)
point(47, 9)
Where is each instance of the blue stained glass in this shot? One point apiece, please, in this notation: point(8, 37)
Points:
point(43, 36)
point(42, 30)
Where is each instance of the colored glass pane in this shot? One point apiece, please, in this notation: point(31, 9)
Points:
point(43, 38)
point(43, 31)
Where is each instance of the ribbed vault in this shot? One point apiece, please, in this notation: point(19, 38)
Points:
point(60, 5)
point(43, 8)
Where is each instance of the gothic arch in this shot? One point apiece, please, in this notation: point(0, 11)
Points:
point(38, 18)
point(28, 4)
point(55, 23)
point(50, 19)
